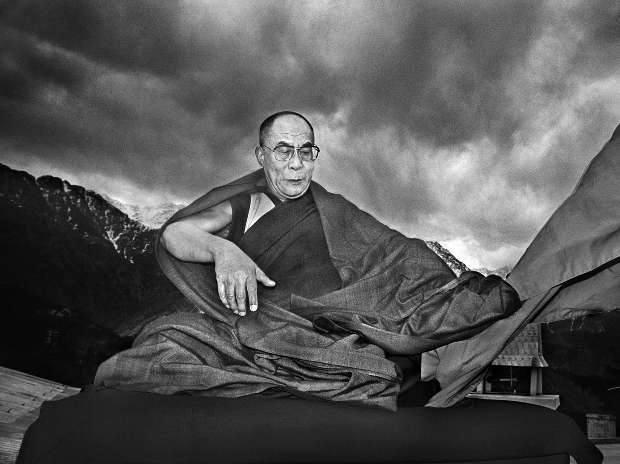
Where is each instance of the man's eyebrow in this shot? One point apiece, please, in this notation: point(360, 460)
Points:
point(287, 144)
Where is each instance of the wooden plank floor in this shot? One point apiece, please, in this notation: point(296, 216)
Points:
point(21, 396)
point(611, 453)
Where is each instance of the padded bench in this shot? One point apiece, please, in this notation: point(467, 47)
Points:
point(113, 426)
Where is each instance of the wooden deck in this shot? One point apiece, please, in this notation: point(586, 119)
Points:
point(21, 396)
point(611, 452)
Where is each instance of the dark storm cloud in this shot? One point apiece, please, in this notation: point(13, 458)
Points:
point(209, 71)
point(132, 35)
point(26, 67)
point(432, 109)
point(440, 79)
point(214, 70)
point(600, 23)
point(443, 79)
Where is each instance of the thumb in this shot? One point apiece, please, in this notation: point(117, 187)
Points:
point(262, 278)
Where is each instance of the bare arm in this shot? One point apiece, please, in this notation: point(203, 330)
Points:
point(192, 239)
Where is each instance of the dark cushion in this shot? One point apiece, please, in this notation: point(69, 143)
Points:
point(111, 426)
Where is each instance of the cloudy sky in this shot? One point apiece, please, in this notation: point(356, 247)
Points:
point(466, 122)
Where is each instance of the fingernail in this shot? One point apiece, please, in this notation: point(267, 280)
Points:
point(253, 307)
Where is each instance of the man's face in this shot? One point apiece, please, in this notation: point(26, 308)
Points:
point(287, 179)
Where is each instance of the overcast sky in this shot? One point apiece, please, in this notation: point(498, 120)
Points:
point(466, 122)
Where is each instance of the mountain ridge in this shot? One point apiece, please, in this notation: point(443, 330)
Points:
point(152, 216)
point(155, 216)
point(69, 247)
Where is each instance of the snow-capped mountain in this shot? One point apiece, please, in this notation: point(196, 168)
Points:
point(457, 266)
point(84, 211)
point(91, 215)
point(152, 217)
point(66, 246)
point(155, 216)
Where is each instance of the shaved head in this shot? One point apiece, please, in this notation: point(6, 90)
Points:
point(287, 178)
point(266, 125)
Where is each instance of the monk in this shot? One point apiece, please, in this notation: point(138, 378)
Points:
point(287, 154)
point(299, 292)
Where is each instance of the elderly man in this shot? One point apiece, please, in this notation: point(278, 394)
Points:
point(287, 153)
point(341, 298)
point(337, 298)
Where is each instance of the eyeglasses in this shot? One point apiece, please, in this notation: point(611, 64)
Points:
point(285, 152)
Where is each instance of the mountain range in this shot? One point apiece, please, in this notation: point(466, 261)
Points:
point(151, 216)
point(79, 277)
point(155, 216)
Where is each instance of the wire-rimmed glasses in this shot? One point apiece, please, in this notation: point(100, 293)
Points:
point(285, 152)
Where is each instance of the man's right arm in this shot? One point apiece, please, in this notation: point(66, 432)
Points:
point(192, 239)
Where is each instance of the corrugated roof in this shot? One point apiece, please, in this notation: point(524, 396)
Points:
point(525, 350)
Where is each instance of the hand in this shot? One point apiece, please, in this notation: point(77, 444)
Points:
point(237, 276)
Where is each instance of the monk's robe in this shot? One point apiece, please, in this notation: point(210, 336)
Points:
point(288, 244)
point(396, 297)
point(365, 292)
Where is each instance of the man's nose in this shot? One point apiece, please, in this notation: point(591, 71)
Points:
point(295, 162)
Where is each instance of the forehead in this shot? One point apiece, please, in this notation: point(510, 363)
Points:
point(290, 128)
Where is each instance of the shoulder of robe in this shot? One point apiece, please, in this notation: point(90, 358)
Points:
point(338, 212)
point(247, 183)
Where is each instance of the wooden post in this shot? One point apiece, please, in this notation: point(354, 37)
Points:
point(536, 381)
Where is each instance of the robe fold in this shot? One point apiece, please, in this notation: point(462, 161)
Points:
point(395, 296)
point(571, 268)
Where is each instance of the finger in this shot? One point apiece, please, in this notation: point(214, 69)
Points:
point(240, 292)
point(262, 278)
point(252, 294)
point(230, 294)
point(221, 290)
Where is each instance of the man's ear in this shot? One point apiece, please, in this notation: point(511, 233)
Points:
point(260, 155)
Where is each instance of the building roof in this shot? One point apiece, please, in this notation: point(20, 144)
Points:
point(524, 350)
